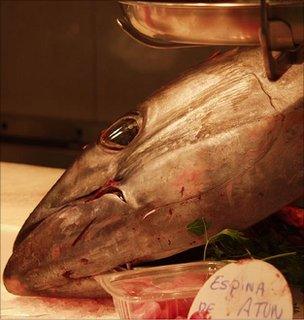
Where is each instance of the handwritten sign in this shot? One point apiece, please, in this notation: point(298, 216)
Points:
point(247, 289)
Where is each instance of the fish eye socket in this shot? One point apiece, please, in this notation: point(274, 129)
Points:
point(122, 132)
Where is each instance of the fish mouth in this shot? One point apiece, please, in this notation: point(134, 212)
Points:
point(30, 262)
point(89, 286)
point(62, 254)
point(28, 228)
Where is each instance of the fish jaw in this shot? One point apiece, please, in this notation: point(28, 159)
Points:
point(54, 230)
point(62, 254)
point(47, 257)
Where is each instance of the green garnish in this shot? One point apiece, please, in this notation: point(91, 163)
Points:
point(281, 255)
point(230, 233)
point(233, 234)
point(271, 239)
point(199, 226)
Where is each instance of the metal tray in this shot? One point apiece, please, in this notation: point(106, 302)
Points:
point(177, 24)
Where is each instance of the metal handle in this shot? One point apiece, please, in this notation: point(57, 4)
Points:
point(277, 66)
point(274, 34)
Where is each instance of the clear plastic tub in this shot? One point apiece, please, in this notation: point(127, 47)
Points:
point(165, 292)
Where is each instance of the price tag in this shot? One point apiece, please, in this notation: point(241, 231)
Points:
point(247, 289)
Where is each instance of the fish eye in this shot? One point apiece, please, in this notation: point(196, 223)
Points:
point(122, 132)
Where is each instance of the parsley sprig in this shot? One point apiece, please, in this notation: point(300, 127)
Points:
point(269, 240)
point(200, 227)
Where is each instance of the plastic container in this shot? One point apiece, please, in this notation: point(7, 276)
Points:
point(165, 292)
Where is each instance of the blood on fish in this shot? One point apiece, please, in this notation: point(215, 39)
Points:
point(55, 253)
point(67, 274)
point(182, 191)
point(84, 260)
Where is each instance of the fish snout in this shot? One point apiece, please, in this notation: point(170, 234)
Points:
point(66, 248)
point(93, 170)
point(13, 281)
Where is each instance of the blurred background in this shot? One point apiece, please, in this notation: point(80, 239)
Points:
point(68, 71)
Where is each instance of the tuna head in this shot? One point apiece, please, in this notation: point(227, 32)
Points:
point(221, 142)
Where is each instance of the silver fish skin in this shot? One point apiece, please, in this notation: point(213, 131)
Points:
point(221, 142)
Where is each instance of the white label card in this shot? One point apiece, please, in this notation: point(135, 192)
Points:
point(246, 289)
